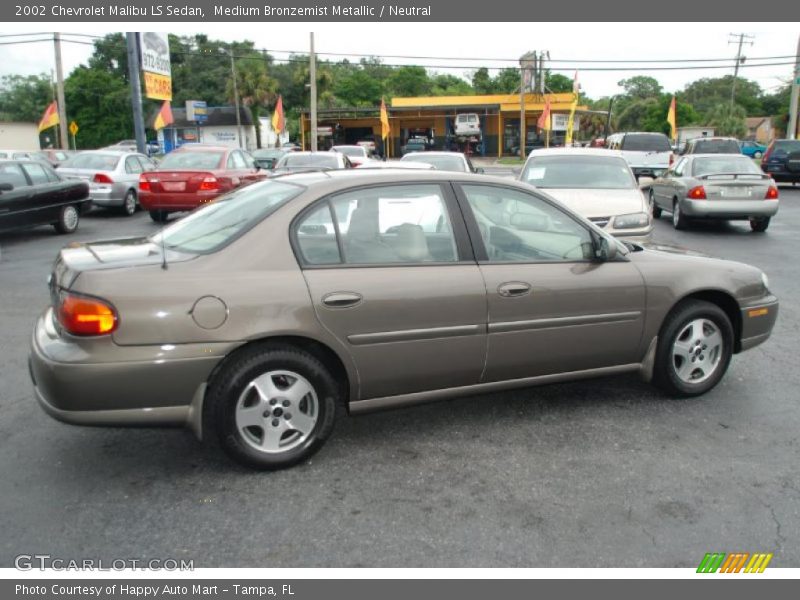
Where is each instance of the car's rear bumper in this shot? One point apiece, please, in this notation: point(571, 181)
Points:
point(729, 209)
point(175, 201)
point(94, 381)
point(107, 195)
point(758, 319)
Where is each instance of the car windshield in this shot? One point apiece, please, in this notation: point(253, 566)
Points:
point(99, 162)
point(191, 160)
point(716, 147)
point(724, 164)
point(439, 161)
point(220, 222)
point(352, 151)
point(579, 172)
point(274, 153)
point(310, 160)
point(646, 142)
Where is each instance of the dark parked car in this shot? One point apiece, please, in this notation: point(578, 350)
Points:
point(193, 175)
point(32, 193)
point(782, 161)
point(253, 318)
point(712, 145)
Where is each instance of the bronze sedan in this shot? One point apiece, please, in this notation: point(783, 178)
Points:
point(254, 317)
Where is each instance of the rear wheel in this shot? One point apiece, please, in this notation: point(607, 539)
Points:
point(159, 216)
point(68, 219)
point(272, 406)
point(759, 225)
point(679, 220)
point(694, 349)
point(653, 206)
point(129, 204)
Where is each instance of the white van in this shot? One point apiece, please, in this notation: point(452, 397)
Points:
point(649, 154)
point(467, 124)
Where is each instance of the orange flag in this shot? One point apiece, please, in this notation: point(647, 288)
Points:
point(278, 120)
point(50, 117)
point(164, 116)
point(544, 118)
point(385, 129)
point(672, 120)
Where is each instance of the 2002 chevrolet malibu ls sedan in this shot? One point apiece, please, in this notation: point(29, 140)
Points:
point(251, 319)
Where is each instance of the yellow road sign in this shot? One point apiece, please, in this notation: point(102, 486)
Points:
point(73, 128)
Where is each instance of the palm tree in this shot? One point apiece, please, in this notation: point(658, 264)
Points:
point(256, 88)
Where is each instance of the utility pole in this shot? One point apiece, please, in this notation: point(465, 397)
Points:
point(791, 131)
point(527, 63)
point(312, 74)
point(739, 58)
point(236, 97)
point(62, 105)
point(132, 44)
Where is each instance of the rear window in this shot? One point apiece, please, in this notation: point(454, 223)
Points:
point(191, 160)
point(646, 142)
point(217, 224)
point(787, 146)
point(442, 163)
point(579, 172)
point(310, 160)
point(724, 164)
point(98, 162)
point(717, 147)
point(352, 151)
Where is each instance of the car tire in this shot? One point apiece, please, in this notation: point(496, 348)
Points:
point(159, 216)
point(271, 406)
point(757, 154)
point(759, 225)
point(68, 219)
point(129, 204)
point(694, 349)
point(655, 209)
point(679, 220)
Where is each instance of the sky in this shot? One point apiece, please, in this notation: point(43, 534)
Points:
point(564, 41)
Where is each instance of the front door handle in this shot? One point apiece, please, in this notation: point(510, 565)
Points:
point(342, 299)
point(512, 289)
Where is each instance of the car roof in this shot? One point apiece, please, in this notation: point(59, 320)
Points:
point(575, 152)
point(112, 152)
point(717, 155)
point(715, 138)
point(435, 153)
point(202, 148)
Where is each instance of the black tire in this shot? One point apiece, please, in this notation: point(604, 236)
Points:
point(757, 154)
point(655, 208)
point(129, 204)
point(228, 388)
point(679, 220)
point(159, 216)
point(759, 225)
point(665, 373)
point(68, 218)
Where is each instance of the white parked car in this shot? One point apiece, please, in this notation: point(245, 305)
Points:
point(467, 124)
point(598, 184)
point(443, 161)
point(649, 154)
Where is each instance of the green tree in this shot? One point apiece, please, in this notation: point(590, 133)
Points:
point(24, 98)
point(100, 102)
point(640, 87)
point(705, 94)
point(506, 81)
point(410, 81)
point(558, 83)
point(256, 88)
point(358, 89)
point(634, 115)
point(656, 117)
point(449, 85)
point(482, 82)
point(727, 120)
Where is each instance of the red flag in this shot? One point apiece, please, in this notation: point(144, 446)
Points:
point(164, 116)
point(50, 117)
point(278, 121)
point(544, 118)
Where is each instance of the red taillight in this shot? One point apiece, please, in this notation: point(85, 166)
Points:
point(144, 184)
point(671, 158)
point(102, 178)
point(209, 184)
point(697, 193)
point(81, 315)
point(772, 193)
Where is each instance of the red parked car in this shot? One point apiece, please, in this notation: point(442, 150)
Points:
point(193, 175)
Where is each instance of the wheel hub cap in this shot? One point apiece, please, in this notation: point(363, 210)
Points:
point(697, 351)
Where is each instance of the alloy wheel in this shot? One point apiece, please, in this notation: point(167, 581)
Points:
point(697, 351)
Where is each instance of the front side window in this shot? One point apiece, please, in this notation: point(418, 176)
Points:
point(397, 224)
point(132, 165)
point(678, 170)
point(519, 227)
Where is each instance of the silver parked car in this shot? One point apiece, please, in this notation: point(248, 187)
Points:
point(252, 318)
point(113, 176)
point(443, 161)
point(715, 186)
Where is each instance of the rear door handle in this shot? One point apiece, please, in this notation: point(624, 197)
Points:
point(511, 289)
point(342, 299)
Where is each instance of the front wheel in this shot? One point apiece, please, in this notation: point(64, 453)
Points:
point(694, 349)
point(759, 225)
point(272, 406)
point(159, 216)
point(68, 219)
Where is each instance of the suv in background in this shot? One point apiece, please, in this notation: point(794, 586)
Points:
point(648, 154)
point(467, 124)
point(712, 145)
point(782, 161)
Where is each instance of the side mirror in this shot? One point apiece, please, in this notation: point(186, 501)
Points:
point(6, 187)
point(603, 250)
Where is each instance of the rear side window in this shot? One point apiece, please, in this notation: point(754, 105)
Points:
point(646, 142)
point(316, 237)
point(37, 173)
point(12, 173)
point(132, 165)
point(716, 147)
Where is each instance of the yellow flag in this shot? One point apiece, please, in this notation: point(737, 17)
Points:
point(571, 121)
point(385, 129)
point(672, 120)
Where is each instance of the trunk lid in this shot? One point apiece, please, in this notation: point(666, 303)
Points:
point(736, 186)
point(187, 180)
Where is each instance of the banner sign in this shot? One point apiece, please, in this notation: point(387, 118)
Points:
point(156, 65)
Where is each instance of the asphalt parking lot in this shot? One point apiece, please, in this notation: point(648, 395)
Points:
point(606, 472)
